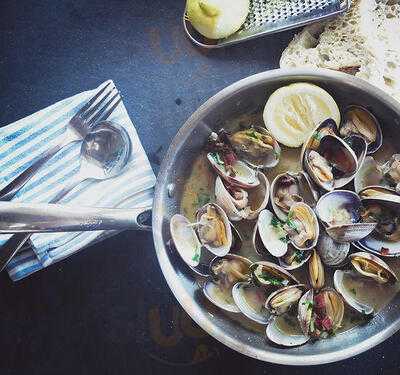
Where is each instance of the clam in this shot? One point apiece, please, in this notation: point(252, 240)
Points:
point(233, 171)
point(279, 333)
point(241, 204)
point(214, 229)
point(321, 314)
point(369, 265)
point(382, 206)
point(339, 211)
point(359, 146)
point(316, 272)
point(256, 146)
point(250, 300)
point(187, 244)
point(271, 275)
point(290, 188)
point(294, 258)
point(280, 301)
point(358, 120)
point(327, 127)
point(225, 273)
point(332, 164)
point(349, 298)
point(373, 174)
point(332, 253)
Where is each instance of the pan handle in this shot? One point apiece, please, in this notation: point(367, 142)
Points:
point(45, 218)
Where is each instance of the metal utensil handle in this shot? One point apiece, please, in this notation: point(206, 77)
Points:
point(45, 218)
point(26, 219)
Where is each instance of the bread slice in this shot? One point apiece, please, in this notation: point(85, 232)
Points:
point(360, 42)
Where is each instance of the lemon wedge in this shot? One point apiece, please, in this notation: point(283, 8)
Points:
point(216, 19)
point(293, 111)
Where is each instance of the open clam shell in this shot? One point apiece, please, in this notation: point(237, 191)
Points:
point(339, 211)
point(359, 146)
point(225, 273)
point(289, 188)
point(280, 301)
point(238, 174)
point(241, 204)
point(369, 265)
point(294, 258)
point(214, 229)
point(284, 337)
point(360, 121)
point(187, 244)
point(362, 308)
point(270, 274)
point(332, 253)
point(332, 165)
point(250, 300)
point(256, 146)
point(381, 194)
point(305, 311)
point(369, 174)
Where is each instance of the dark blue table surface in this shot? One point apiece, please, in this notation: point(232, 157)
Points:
point(108, 310)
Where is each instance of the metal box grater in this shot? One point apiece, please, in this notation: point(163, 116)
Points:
point(271, 16)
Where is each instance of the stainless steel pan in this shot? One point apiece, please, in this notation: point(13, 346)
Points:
point(246, 96)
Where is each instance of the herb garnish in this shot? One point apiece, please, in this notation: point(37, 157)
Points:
point(298, 255)
point(271, 280)
point(217, 158)
point(317, 136)
point(275, 222)
point(196, 257)
point(309, 304)
point(252, 134)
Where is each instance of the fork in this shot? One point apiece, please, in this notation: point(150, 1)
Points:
point(76, 130)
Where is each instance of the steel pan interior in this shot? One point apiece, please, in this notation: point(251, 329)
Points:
point(245, 96)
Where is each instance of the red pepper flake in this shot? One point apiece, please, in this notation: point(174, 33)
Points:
point(326, 323)
point(319, 301)
point(384, 251)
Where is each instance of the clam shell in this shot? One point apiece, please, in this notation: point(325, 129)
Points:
point(368, 174)
point(304, 213)
point(376, 262)
point(280, 301)
point(230, 257)
point(219, 297)
point(333, 143)
point(294, 265)
point(270, 235)
point(371, 124)
point(186, 243)
point(332, 253)
point(380, 194)
point(348, 229)
point(304, 311)
point(280, 276)
point(359, 146)
point(379, 246)
point(316, 272)
point(281, 338)
point(348, 298)
point(306, 189)
point(270, 160)
point(250, 300)
point(245, 176)
point(224, 249)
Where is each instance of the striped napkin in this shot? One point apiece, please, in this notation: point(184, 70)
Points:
point(26, 139)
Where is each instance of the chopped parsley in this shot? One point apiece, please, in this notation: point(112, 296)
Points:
point(291, 224)
point(317, 136)
point(271, 280)
point(298, 256)
point(196, 257)
point(309, 304)
point(275, 222)
point(217, 158)
point(252, 134)
point(276, 154)
point(284, 239)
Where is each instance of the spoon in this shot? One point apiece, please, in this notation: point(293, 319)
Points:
point(105, 152)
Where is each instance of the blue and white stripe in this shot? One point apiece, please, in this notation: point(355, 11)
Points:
point(26, 139)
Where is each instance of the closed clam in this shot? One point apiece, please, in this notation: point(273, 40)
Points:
point(290, 188)
point(331, 252)
point(239, 203)
point(339, 211)
point(360, 121)
point(316, 272)
point(280, 301)
point(256, 146)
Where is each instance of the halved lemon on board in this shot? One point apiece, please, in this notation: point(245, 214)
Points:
point(293, 111)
